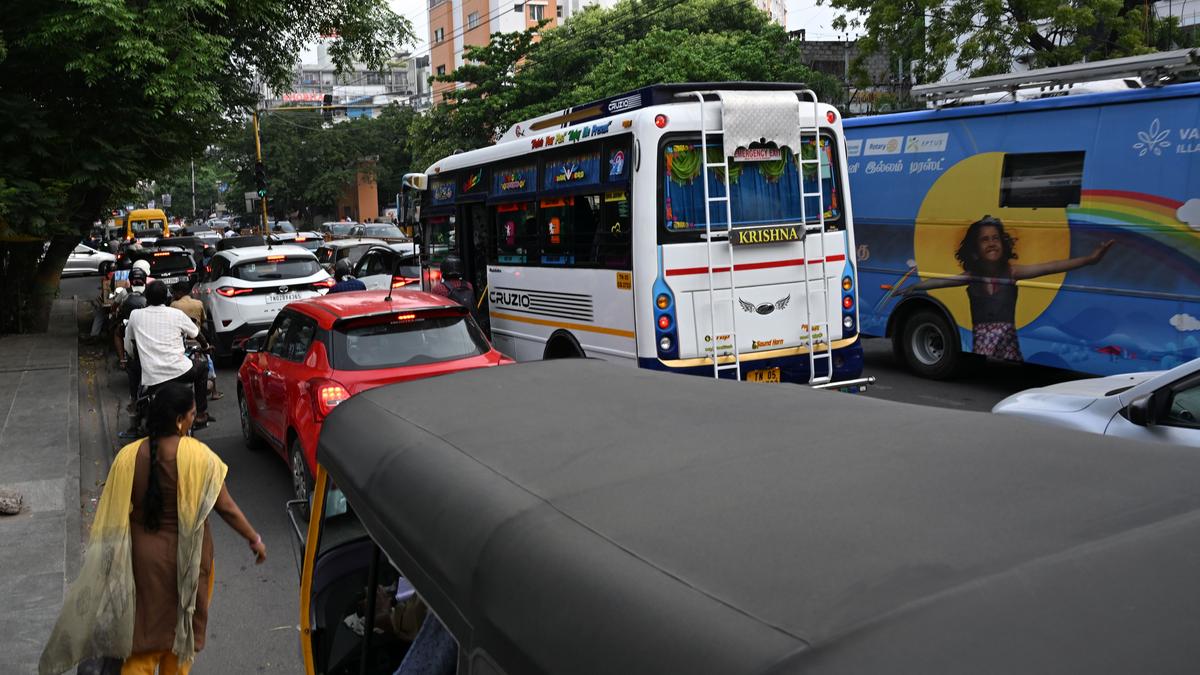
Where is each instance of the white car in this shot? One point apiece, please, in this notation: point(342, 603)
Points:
point(307, 240)
point(87, 260)
point(390, 266)
point(245, 288)
point(1159, 406)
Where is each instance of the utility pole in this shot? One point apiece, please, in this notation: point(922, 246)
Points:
point(262, 197)
point(193, 189)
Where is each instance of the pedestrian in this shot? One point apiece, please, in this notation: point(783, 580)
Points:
point(345, 280)
point(143, 592)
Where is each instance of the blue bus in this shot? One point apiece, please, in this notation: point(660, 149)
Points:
point(1063, 231)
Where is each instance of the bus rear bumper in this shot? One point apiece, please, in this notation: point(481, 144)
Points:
point(847, 365)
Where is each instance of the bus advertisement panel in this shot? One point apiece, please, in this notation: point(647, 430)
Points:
point(1063, 232)
point(585, 233)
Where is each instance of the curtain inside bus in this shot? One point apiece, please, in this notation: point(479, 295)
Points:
point(765, 191)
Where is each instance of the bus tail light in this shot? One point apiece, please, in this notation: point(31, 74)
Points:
point(660, 121)
point(664, 322)
point(326, 395)
point(665, 344)
point(848, 302)
point(831, 116)
point(848, 322)
point(663, 301)
point(847, 283)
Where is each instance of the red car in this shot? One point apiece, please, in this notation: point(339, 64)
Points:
point(323, 350)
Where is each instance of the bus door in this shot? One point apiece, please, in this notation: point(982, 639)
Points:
point(475, 243)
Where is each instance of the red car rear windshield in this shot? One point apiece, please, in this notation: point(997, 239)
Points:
point(398, 341)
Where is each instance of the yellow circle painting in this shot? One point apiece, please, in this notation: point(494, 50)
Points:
point(968, 191)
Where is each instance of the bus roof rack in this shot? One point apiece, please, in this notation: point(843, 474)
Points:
point(1152, 68)
point(655, 94)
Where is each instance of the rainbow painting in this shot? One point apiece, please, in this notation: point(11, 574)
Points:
point(1150, 217)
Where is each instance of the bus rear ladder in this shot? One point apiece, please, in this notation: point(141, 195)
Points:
point(820, 349)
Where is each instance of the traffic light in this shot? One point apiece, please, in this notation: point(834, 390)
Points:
point(260, 179)
point(326, 110)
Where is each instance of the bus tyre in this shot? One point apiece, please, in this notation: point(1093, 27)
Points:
point(929, 345)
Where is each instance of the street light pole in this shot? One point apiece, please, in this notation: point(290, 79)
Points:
point(193, 189)
point(258, 158)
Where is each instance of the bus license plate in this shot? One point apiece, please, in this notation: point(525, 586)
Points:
point(768, 375)
point(287, 297)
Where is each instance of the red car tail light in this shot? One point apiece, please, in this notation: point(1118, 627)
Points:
point(326, 395)
point(230, 291)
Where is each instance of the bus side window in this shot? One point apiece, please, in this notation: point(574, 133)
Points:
point(612, 240)
point(516, 234)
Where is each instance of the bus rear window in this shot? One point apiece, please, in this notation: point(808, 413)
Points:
point(764, 183)
point(273, 270)
point(394, 343)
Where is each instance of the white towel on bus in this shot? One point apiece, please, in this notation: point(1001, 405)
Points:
point(760, 116)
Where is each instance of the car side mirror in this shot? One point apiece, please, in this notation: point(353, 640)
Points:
point(1141, 411)
point(255, 343)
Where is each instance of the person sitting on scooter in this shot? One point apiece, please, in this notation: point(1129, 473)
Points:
point(159, 332)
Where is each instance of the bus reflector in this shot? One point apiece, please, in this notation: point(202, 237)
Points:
point(664, 322)
point(663, 301)
point(660, 121)
point(831, 116)
point(848, 302)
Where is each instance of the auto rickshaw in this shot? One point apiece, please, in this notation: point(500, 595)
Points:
point(576, 517)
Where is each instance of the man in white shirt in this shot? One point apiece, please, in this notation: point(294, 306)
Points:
point(159, 332)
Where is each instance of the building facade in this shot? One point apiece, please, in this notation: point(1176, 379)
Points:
point(365, 92)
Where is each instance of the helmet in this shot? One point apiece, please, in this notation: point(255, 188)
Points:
point(137, 276)
point(452, 267)
point(342, 269)
point(142, 265)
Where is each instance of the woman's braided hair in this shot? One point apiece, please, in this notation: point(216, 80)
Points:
point(169, 403)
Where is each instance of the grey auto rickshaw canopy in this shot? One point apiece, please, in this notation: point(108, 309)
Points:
point(574, 516)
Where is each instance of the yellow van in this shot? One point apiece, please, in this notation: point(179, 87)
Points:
point(146, 219)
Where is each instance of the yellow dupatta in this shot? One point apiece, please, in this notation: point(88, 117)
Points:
point(97, 617)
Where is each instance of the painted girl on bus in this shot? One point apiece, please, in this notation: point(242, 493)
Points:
point(986, 254)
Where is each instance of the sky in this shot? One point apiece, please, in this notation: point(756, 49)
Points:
point(817, 19)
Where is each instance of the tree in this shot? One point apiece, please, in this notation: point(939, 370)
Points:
point(988, 38)
point(98, 94)
point(600, 52)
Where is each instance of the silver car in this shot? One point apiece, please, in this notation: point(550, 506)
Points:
point(1155, 406)
point(87, 260)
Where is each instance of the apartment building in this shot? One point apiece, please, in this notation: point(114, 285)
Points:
point(365, 92)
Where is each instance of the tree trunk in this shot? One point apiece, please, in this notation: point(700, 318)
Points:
point(43, 286)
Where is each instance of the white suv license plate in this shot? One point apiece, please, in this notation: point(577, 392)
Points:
point(285, 297)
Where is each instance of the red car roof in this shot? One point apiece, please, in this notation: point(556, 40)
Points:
point(330, 308)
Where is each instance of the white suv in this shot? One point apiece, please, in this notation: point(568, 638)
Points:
point(244, 288)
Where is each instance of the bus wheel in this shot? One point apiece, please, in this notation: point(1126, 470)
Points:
point(930, 345)
point(562, 345)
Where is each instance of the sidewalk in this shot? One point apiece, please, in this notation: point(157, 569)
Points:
point(39, 458)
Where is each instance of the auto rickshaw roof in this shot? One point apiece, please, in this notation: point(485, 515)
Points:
point(574, 516)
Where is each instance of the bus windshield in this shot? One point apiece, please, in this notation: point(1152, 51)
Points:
point(764, 183)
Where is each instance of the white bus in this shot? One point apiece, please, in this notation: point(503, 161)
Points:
point(585, 233)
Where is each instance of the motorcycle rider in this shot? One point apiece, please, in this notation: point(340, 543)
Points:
point(159, 332)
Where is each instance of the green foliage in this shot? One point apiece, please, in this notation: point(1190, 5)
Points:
point(987, 38)
point(601, 52)
point(99, 94)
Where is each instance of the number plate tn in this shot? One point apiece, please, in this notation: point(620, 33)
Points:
point(768, 375)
